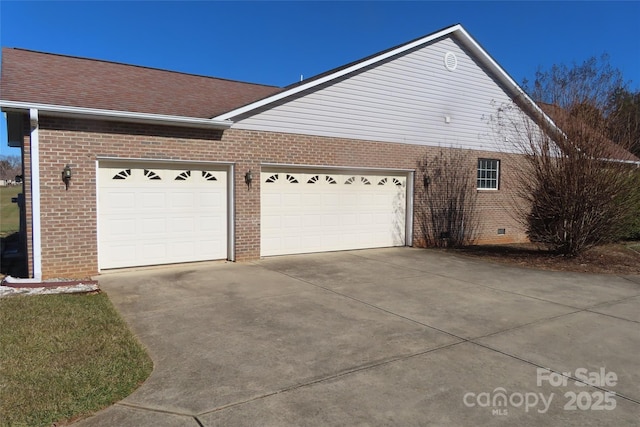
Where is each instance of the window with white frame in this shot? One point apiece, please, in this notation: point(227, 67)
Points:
point(488, 174)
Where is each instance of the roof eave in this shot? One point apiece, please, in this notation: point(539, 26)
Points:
point(114, 115)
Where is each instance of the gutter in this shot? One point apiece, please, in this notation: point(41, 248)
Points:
point(115, 115)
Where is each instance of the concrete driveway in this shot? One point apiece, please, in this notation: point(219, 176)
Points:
point(379, 337)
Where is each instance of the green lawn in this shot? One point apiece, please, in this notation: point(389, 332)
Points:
point(9, 212)
point(63, 357)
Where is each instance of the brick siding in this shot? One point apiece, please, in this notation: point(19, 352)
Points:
point(69, 218)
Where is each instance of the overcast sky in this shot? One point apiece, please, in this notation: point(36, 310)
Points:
point(276, 42)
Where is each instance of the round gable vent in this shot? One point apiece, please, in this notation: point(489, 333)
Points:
point(450, 61)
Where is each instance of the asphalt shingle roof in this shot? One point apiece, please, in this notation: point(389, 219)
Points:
point(29, 76)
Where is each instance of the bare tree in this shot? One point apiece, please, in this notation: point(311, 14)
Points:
point(447, 205)
point(578, 188)
point(10, 166)
point(624, 119)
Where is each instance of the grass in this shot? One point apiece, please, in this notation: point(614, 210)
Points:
point(9, 212)
point(63, 357)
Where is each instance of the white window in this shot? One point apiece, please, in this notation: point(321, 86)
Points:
point(488, 174)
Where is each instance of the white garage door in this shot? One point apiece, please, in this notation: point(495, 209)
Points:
point(150, 216)
point(329, 211)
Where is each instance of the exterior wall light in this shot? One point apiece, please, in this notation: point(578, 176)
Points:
point(248, 178)
point(426, 180)
point(66, 176)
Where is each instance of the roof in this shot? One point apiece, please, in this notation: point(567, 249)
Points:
point(592, 141)
point(52, 79)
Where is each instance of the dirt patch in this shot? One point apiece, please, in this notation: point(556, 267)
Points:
point(620, 258)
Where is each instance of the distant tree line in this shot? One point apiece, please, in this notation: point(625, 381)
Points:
point(10, 167)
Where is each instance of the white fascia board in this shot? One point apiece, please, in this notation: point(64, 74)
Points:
point(121, 116)
point(337, 74)
point(502, 75)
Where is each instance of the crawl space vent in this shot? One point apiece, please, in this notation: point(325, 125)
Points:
point(450, 61)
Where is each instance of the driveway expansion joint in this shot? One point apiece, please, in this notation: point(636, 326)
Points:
point(368, 304)
point(340, 374)
point(150, 409)
point(571, 377)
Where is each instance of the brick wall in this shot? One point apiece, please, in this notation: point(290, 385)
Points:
point(69, 222)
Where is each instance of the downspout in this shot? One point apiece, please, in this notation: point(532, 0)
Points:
point(231, 214)
point(36, 230)
point(409, 211)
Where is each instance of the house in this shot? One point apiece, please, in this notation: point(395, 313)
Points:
point(164, 167)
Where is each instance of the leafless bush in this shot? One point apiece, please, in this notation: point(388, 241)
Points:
point(577, 189)
point(447, 209)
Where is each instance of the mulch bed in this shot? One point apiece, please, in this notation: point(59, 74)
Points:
point(606, 259)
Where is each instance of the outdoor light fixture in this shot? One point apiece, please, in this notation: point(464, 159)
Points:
point(248, 178)
point(426, 180)
point(66, 176)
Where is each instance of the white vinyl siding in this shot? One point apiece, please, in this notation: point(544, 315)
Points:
point(403, 100)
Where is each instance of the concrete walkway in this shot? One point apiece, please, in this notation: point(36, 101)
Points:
point(397, 337)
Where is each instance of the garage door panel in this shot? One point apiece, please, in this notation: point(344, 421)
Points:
point(178, 225)
point(120, 227)
point(291, 199)
point(153, 226)
point(311, 200)
point(182, 200)
point(120, 200)
point(121, 252)
point(336, 211)
point(151, 216)
point(150, 200)
point(211, 224)
point(211, 199)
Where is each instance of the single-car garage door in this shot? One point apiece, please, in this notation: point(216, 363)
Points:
point(320, 211)
point(160, 215)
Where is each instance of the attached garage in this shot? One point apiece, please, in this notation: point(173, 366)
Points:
point(307, 211)
point(150, 214)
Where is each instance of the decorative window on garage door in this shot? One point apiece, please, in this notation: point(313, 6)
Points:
point(208, 176)
point(151, 174)
point(123, 174)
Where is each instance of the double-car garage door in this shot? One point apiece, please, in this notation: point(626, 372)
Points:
point(316, 211)
point(149, 214)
